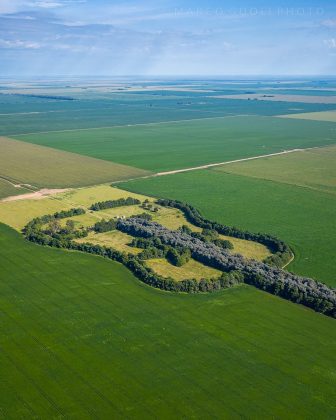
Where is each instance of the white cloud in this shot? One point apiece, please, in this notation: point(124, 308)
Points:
point(14, 6)
point(5, 43)
point(46, 4)
point(329, 23)
point(330, 43)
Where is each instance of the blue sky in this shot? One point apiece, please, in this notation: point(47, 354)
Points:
point(100, 37)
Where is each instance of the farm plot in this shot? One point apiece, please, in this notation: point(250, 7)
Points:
point(302, 217)
point(39, 166)
point(314, 169)
point(313, 116)
point(169, 146)
point(100, 360)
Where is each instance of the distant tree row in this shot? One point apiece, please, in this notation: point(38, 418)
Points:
point(109, 204)
point(281, 251)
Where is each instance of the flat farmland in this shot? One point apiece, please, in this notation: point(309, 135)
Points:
point(82, 338)
point(29, 114)
point(315, 169)
point(26, 163)
point(170, 146)
point(303, 217)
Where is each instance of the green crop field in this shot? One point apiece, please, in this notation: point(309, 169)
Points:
point(82, 338)
point(45, 167)
point(314, 169)
point(168, 146)
point(303, 217)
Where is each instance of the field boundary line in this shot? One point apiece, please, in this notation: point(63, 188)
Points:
point(128, 125)
point(212, 165)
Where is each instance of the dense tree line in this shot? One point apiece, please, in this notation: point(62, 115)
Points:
point(109, 204)
point(298, 289)
point(68, 213)
point(208, 235)
point(281, 251)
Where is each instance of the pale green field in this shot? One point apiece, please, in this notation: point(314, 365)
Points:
point(191, 270)
point(18, 213)
point(248, 249)
point(315, 168)
point(329, 116)
point(115, 239)
point(42, 166)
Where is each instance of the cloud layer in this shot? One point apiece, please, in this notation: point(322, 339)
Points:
point(171, 38)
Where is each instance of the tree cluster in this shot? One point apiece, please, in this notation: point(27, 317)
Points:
point(104, 226)
point(154, 248)
point(281, 251)
point(109, 204)
point(298, 289)
point(34, 232)
point(208, 235)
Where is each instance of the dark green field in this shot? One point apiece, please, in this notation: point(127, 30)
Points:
point(161, 147)
point(82, 338)
point(302, 217)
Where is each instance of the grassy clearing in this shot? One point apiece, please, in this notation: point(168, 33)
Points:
point(314, 169)
point(191, 270)
point(169, 146)
point(83, 338)
point(45, 167)
point(304, 218)
point(314, 116)
point(115, 239)
point(18, 213)
point(248, 249)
